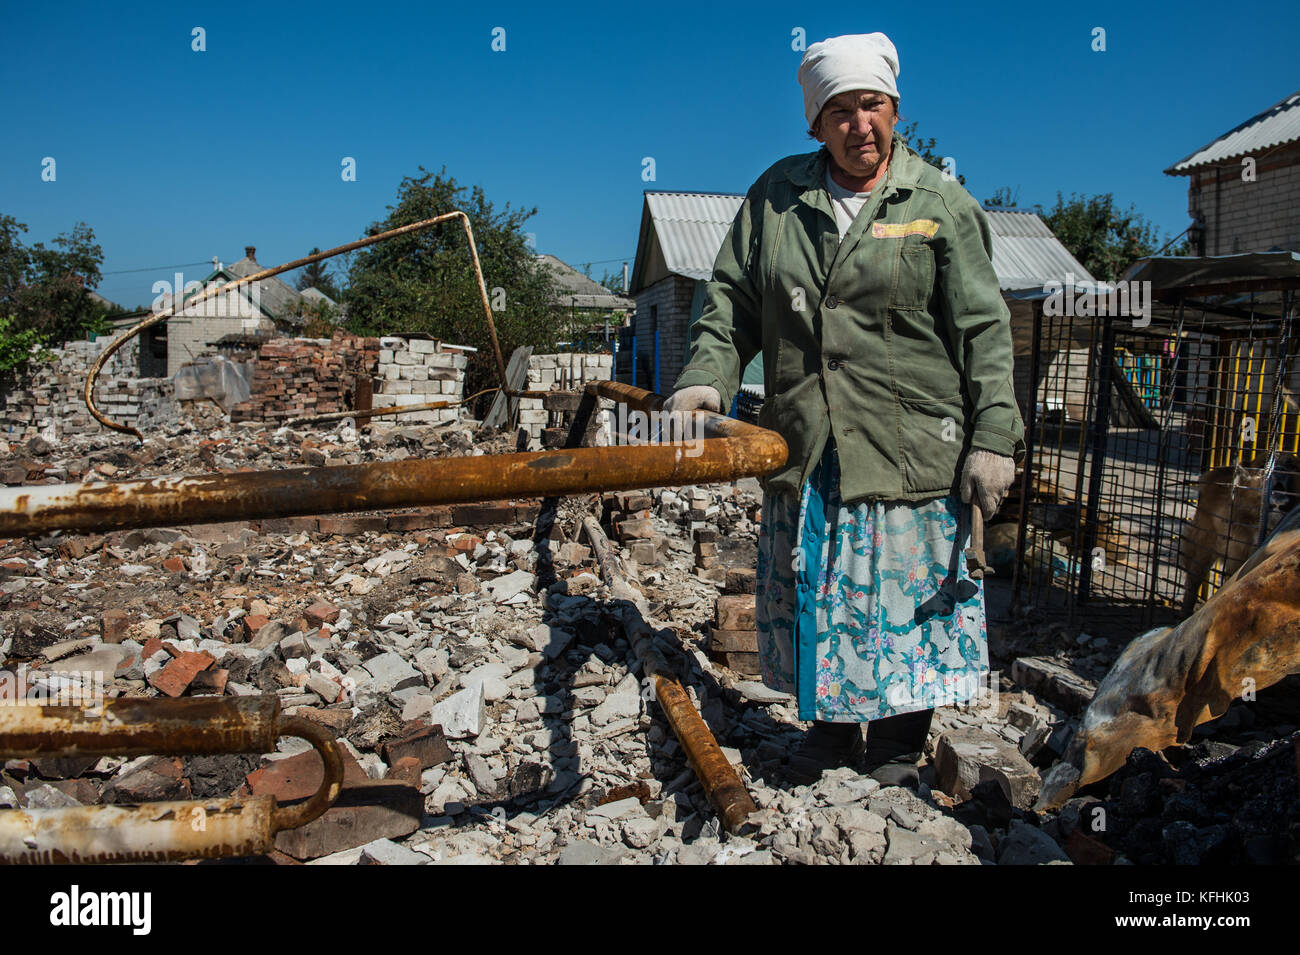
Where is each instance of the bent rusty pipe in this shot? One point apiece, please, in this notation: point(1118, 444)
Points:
point(162, 831)
point(739, 450)
point(392, 409)
point(88, 393)
point(721, 784)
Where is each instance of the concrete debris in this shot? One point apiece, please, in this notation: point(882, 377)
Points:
point(490, 709)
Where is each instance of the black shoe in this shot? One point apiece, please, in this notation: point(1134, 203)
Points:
point(894, 747)
point(825, 746)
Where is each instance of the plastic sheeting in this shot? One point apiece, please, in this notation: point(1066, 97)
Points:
point(224, 381)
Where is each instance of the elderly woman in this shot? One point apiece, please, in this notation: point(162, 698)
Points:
point(863, 274)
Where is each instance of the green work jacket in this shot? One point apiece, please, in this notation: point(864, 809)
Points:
point(894, 339)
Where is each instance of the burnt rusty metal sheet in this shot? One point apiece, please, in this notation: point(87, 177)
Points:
point(729, 449)
point(1170, 680)
point(163, 831)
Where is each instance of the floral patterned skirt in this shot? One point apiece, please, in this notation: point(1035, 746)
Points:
point(867, 611)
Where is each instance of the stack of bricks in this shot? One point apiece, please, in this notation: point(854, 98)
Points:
point(565, 372)
point(46, 396)
point(299, 377)
point(416, 372)
point(627, 514)
point(733, 640)
point(706, 554)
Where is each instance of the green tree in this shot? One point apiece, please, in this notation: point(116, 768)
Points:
point(317, 276)
point(1104, 238)
point(925, 148)
point(44, 291)
point(424, 282)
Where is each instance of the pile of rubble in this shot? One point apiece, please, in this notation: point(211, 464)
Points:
point(47, 401)
point(478, 681)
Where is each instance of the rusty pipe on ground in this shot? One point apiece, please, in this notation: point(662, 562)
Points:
point(162, 831)
point(721, 784)
point(730, 449)
point(392, 409)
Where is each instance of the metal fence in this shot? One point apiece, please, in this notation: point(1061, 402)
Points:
point(1160, 454)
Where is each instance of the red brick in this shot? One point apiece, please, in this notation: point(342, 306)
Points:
point(351, 526)
point(483, 513)
point(424, 743)
point(174, 565)
point(175, 678)
point(466, 543)
point(252, 623)
point(638, 528)
point(113, 625)
point(321, 613)
point(297, 777)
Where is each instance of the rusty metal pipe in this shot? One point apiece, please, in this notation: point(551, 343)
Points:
point(392, 409)
point(721, 784)
point(164, 831)
point(382, 485)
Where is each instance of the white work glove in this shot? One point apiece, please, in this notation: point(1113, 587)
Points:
point(987, 477)
point(686, 400)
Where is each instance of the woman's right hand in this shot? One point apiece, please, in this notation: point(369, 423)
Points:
point(685, 400)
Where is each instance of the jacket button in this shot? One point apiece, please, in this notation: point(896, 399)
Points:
point(832, 301)
point(833, 364)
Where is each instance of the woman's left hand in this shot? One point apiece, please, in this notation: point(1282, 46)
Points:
point(986, 478)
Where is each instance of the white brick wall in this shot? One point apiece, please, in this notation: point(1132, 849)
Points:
point(416, 371)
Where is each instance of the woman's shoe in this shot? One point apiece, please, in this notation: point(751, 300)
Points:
point(894, 747)
point(825, 746)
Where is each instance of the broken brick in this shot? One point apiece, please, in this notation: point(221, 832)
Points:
point(425, 743)
point(321, 613)
point(176, 677)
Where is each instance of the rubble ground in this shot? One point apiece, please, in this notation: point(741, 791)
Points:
point(491, 711)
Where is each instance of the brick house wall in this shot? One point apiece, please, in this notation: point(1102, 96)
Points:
point(1245, 216)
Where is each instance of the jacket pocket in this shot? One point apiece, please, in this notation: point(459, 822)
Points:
point(914, 278)
point(933, 435)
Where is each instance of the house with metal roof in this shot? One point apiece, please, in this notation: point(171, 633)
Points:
point(249, 313)
point(1243, 189)
point(682, 232)
point(587, 305)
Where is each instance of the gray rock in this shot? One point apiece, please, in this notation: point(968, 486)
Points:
point(582, 852)
point(909, 848)
point(1026, 845)
point(518, 582)
point(965, 757)
point(618, 809)
point(387, 852)
point(391, 672)
point(46, 796)
point(756, 692)
point(462, 714)
point(480, 774)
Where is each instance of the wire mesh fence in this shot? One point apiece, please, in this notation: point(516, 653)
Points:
point(1161, 453)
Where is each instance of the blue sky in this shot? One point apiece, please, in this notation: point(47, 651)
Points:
point(174, 156)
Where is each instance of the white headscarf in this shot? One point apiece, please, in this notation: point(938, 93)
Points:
point(858, 61)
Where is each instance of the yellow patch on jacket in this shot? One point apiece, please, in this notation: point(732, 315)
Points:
point(896, 230)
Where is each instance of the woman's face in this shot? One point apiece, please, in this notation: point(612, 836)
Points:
point(858, 127)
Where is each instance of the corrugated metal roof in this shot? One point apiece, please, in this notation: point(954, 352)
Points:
point(690, 227)
point(1026, 253)
point(1278, 124)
